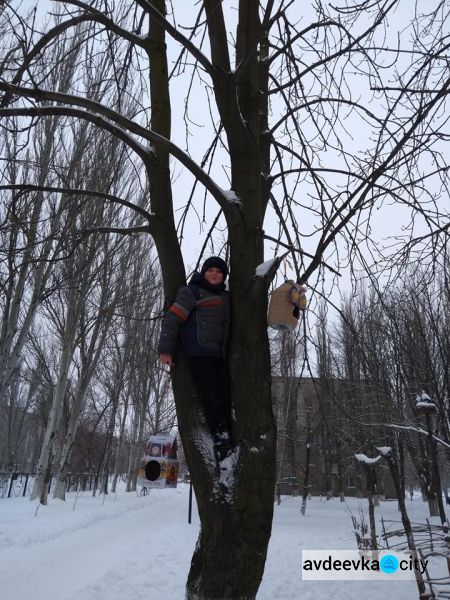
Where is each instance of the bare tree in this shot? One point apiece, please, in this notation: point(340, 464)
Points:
point(393, 344)
point(289, 151)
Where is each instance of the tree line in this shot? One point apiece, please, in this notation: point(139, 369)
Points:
point(80, 311)
point(385, 358)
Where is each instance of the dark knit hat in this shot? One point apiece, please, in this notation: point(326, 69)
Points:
point(218, 263)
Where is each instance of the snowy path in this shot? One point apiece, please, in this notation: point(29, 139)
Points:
point(104, 558)
point(130, 548)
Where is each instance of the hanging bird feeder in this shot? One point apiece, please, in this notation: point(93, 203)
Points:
point(159, 465)
point(285, 305)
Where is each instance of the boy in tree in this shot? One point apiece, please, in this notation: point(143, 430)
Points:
point(201, 316)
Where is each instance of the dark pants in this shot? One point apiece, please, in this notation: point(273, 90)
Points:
point(212, 382)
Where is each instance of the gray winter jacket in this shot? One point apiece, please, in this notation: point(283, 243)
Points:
point(202, 316)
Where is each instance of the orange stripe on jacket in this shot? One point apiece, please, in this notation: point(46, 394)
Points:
point(202, 303)
point(178, 312)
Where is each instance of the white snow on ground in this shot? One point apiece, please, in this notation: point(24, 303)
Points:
point(127, 547)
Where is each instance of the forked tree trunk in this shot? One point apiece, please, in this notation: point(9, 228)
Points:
point(90, 358)
point(235, 507)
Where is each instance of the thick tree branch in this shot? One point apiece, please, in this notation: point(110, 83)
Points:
point(121, 127)
point(96, 119)
point(94, 15)
point(217, 35)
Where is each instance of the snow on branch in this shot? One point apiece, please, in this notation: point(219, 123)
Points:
point(264, 268)
point(231, 197)
point(362, 458)
point(428, 405)
point(384, 450)
point(416, 430)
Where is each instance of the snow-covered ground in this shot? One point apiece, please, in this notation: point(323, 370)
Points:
point(126, 547)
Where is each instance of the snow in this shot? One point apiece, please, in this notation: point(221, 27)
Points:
point(362, 458)
point(429, 405)
point(418, 430)
point(384, 450)
point(264, 268)
point(231, 197)
point(140, 547)
point(226, 478)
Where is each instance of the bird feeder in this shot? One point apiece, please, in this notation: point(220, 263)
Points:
point(159, 465)
point(285, 305)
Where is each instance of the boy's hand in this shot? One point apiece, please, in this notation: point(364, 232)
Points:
point(166, 359)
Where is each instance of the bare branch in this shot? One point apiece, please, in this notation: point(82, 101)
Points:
point(178, 36)
point(121, 130)
point(26, 188)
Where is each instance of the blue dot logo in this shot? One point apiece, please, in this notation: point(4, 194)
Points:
point(389, 564)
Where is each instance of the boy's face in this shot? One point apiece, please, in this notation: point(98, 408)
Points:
point(214, 276)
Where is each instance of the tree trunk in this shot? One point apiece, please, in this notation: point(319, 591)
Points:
point(340, 474)
point(132, 456)
point(137, 448)
point(395, 473)
point(119, 445)
point(235, 506)
point(89, 359)
point(307, 467)
point(69, 439)
point(40, 487)
point(64, 463)
point(370, 478)
point(435, 502)
point(236, 515)
point(105, 462)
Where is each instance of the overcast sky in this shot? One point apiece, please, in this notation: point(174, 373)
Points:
point(385, 222)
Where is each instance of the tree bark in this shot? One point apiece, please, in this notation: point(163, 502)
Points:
point(395, 473)
point(40, 487)
point(306, 476)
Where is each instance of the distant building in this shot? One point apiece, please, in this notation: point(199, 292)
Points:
point(337, 420)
